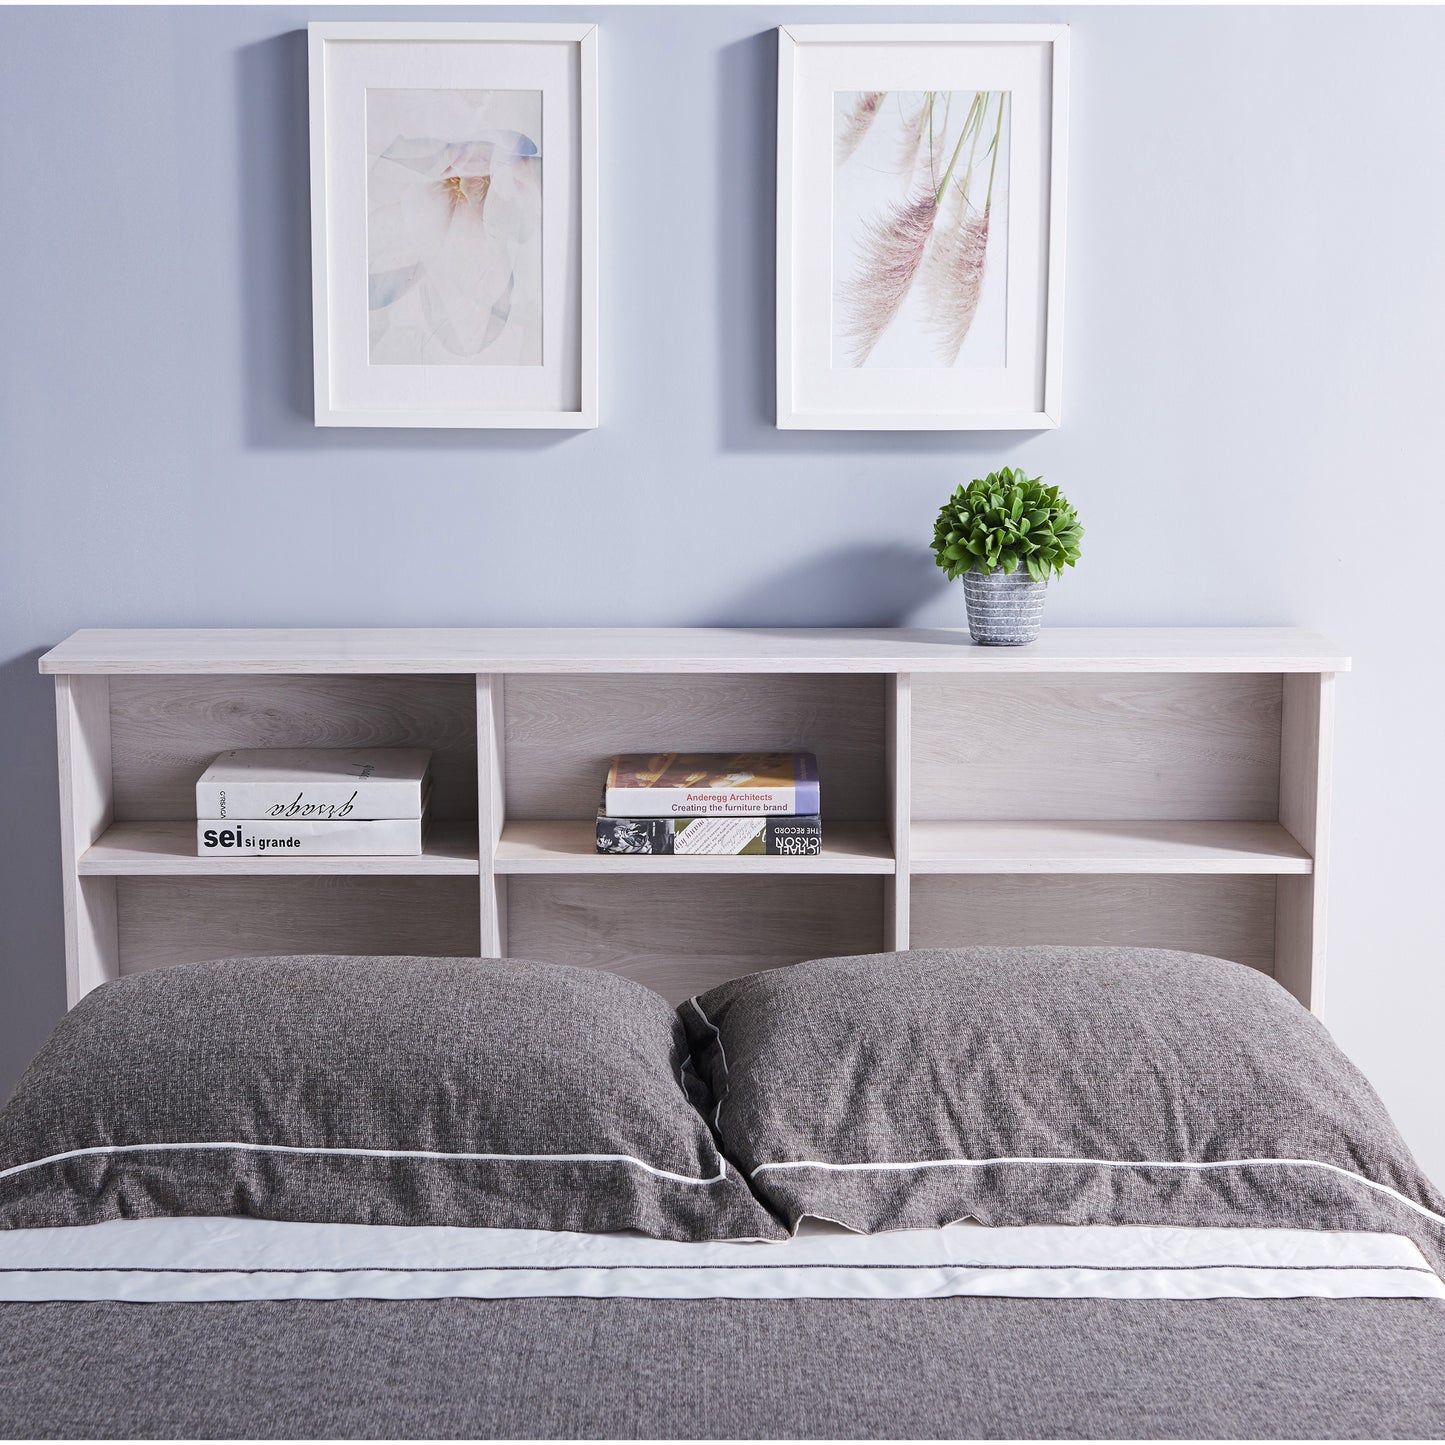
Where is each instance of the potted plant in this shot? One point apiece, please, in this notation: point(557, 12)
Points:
point(1004, 534)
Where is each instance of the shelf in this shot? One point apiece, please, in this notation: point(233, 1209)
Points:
point(687, 649)
point(1142, 847)
point(168, 849)
point(571, 847)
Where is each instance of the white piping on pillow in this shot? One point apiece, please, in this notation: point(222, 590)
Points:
point(875, 1166)
point(369, 1154)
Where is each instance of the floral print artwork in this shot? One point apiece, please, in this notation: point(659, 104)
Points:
point(454, 227)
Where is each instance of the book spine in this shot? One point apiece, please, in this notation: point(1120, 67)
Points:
point(273, 838)
point(707, 803)
point(349, 801)
point(793, 837)
point(770, 836)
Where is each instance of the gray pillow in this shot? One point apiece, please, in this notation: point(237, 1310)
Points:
point(1049, 1085)
point(370, 1091)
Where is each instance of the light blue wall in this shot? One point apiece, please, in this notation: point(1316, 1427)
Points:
point(1254, 368)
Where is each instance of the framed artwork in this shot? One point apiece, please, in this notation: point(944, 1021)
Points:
point(454, 224)
point(921, 179)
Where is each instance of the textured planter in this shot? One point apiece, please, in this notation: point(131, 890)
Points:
point(1004, 610)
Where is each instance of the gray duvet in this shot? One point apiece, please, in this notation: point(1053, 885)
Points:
point(972, 1368)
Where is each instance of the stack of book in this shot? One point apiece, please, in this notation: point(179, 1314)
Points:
point(728, 803)
point(317, 802)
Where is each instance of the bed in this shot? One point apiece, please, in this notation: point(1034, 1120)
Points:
point(952, 1193)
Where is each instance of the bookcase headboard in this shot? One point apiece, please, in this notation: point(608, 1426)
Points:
point(1150, 786)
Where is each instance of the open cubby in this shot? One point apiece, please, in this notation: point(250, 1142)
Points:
point(164, 730)
point(1134, 786)
point(1081, 745)
point(174, 920)
point(1229, 916)
point(681, 935)
point(558, 732)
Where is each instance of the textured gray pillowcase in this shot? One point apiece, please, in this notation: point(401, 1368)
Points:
point(939, 1059)
point(415, 1057)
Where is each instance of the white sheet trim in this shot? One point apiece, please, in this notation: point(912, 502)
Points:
point(873, 1166)
point(758, 1284)
point(158, 1260)
point(367, 1154)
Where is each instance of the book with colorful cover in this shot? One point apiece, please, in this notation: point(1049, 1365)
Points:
point(318, 785)
point(682, 785)
point(776, 836)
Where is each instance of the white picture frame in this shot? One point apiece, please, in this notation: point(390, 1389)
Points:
point(543, 372)
point(845, 360)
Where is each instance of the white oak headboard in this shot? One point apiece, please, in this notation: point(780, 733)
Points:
point(1160, 787)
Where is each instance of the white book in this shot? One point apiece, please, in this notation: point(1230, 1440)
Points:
point(314, 784)
point(265, 837)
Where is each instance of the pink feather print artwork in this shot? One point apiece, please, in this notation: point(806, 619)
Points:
point(912, 268)
point(859, 122)
point(892, 253)
point(954, 274)
point(953, 282)
point(921, 148)
point(914, 131)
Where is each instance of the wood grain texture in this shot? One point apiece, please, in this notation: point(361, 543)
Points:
point(1193, 747)
point(561, 731)
point(92, 938)
point(494, 934)
point(176, 920)
point(83, 741)
point(683, 935)
point(1227, 917)
point(1307, 744)
point(491, 747)
point(168, 849)
point(492, 808)
point(898, 765)
point(166, 730)
point(1295, 940)
point(1132, 847)
point(556, 846)
point(686, 649)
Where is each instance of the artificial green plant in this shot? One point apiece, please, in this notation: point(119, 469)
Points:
point(1006, 520)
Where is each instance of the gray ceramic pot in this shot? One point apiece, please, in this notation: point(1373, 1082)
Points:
point(1004, 610)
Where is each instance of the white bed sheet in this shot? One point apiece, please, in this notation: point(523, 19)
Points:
point(217, 1259)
